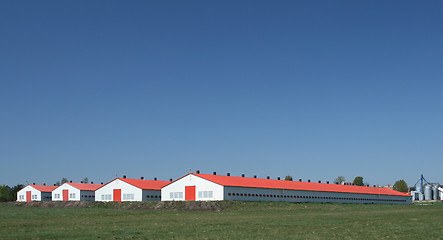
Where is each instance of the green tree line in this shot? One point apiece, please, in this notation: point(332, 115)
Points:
point(8, 193)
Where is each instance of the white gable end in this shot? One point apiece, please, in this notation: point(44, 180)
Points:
point(181, 190)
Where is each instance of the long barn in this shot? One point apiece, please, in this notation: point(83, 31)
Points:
point(35, 193)
point(75, 192)
point(206, 187)
point(126, 189)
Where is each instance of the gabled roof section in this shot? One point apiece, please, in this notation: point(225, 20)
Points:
point(145, 184)
point(86, 186)
point(44, 188)
point(293, 185)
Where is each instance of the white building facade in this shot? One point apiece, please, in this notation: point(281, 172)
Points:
point(75, 192)
point(205, 187)
point(35, 193)
point(125, 189)
point(193, 188)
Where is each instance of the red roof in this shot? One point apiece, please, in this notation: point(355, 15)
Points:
point(86, 186)
point(44, 188)
point(145, 184)
point(294, 185)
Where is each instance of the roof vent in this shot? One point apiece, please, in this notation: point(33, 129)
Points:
point(81, 181)
point(278, 178)
point(255, 176)
point(55, 185)
point(309, 180)
point(170, 179)
point(92, 182)
point(155, 179)
point(198, 172)
point(70, 181)
point(142, 178)
point(374, 185)
point(214, 173)
point(33, 184)
point(299, 180)
point(124, 176)
point(268, 177)
point(44, 184)
point(319, 181)
point(327, 182)
point(228, 174)
point(102, 183)
point(243, 175)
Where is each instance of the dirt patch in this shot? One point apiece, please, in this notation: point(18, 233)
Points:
point(58, 204)
point(189, 206)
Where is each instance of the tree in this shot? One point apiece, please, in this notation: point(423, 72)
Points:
point(14, 191)
point(4, 192)
point(288, 178)
point(340, 179)
point(401, 186)
point(9, 194)
point(358, 181)
point(85, 180)
point(64, 180)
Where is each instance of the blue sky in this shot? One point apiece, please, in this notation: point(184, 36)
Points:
point(314, 89)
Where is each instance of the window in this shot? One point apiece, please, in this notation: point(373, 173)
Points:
point(207, 194)
point(106, 196)
point(128, 196)
point(175, 195)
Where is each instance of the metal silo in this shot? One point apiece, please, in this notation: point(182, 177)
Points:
point(418, 188)
point(435, 191)
point(428, 192)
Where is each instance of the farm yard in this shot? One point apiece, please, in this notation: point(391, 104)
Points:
point(221, 220)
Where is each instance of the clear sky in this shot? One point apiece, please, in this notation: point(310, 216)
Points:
point(314, 89)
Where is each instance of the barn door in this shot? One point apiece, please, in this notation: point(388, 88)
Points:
point(117, 195)
point(190, 193)
point(65, 195)
point(28, 196)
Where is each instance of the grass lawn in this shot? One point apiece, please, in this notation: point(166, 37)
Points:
point(240, 220)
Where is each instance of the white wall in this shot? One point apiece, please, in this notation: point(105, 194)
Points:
point(57, 194)
point(126, 188)
point(36, 194)
point(201, 185)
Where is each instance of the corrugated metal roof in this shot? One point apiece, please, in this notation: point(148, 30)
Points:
point(145, 184)
point(86, 186)
point(294, 185)
point(44, 188)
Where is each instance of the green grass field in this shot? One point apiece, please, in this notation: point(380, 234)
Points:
point(240, 220)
